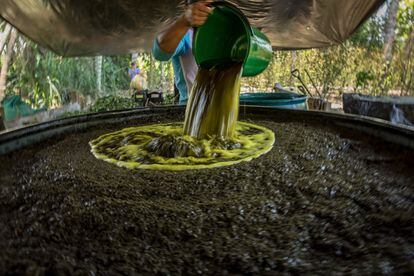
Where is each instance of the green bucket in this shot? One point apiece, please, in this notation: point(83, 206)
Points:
point(227, 37)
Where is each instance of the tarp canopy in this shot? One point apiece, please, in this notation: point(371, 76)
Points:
point(106, 27)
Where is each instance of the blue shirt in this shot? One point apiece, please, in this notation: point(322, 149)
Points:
point(185, 67)
point(133, 72)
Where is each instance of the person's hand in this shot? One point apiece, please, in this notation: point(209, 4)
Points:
point(197, 13)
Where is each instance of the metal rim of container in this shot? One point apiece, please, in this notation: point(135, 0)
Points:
point(396, 134)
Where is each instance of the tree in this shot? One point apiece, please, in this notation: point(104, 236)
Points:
point(293, 64)
point(5, 62)
point(406, 34)
point(389, 39)
point(408, 70)
point(389, 35)
point(98, 70)
point(4, 35)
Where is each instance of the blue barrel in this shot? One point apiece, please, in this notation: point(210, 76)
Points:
point(288, 100)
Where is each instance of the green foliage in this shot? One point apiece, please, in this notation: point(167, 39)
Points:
point(72, 114)
point(328, 66)
point(370, 34)
point(160, 75)
point(109, 103)
point(44, 79)
point(362, 79)
point(405, 20)
point(115, 73)
point(169, 99)
point(337, 69)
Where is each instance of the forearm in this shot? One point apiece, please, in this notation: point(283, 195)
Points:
point(169, 38)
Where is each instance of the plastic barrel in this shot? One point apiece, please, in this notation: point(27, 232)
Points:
point(286, 100)
point(227, 37)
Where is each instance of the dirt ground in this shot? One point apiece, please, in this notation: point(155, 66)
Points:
point(316, 203)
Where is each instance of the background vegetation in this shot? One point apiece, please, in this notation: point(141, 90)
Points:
point(378, 59)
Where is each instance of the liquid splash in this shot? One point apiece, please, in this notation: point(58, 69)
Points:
point(397, 116)
point(165, 147)
point(209, 138)
point(213, 106)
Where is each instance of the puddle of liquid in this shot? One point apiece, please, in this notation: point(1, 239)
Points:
point(165, 147)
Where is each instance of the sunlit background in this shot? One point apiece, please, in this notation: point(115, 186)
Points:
point(376, 60)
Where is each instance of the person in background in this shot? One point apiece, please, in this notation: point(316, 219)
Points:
point(137, 86)
point(175, 42)
point(133, 71)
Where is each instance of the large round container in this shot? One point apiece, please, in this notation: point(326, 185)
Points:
point(286, 100)
point(333, 195)
point(227, 37)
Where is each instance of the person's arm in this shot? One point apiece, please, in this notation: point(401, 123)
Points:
point(168, 40)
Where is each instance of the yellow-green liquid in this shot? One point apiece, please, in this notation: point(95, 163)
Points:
point(210, 137)
point(213, 106)
point(129, 147)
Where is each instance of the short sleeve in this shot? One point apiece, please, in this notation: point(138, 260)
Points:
point(161, 55)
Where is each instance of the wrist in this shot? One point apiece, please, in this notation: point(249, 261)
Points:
point(184, 21)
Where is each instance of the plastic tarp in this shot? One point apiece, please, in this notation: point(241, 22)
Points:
point(104, 27)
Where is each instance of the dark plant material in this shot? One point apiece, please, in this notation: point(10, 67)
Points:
point(315, 204)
